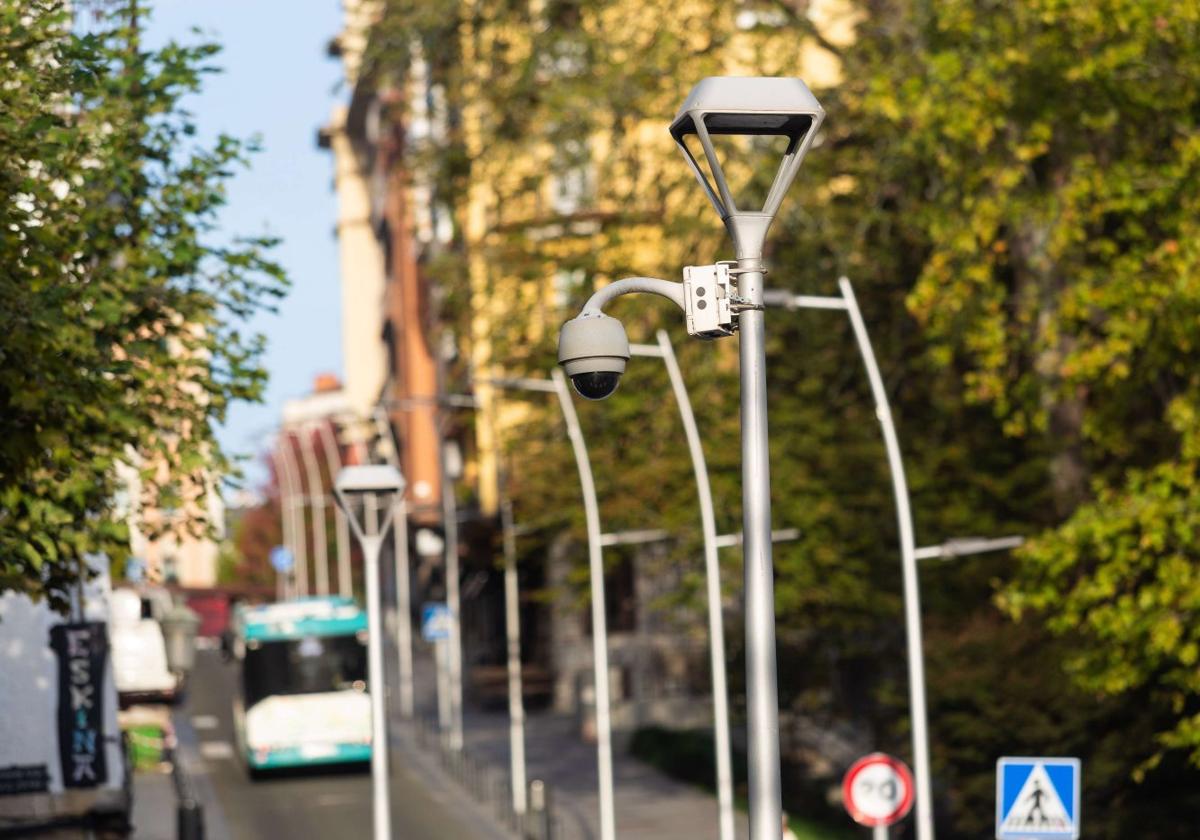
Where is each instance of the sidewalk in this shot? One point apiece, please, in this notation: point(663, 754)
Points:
point(648, 804)
point(153, 806)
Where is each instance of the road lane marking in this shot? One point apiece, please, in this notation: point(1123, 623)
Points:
point(204, 722)
point(216, 749)
point(330, 800)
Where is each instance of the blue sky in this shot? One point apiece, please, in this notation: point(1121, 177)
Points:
point(278, 84)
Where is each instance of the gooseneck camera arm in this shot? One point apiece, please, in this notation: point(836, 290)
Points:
point(632, 285)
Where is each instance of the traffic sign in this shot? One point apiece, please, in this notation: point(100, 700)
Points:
point(281, 559)
point(435, 622)
point(878, 790)
point(1037, 798)
point(135, 570)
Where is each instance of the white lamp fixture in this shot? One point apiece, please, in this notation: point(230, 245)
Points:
point(354, 487)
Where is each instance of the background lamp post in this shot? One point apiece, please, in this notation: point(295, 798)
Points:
point(360, 492)
point(909, 554)
point(719, 300)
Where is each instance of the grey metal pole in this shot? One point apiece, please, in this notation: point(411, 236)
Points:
point(880, 833)
point(316, 500)
point(599, 623)
point(443, 688)
point(297, 506)
point(453, 604)
point(404, 608)
point(762, 699)
point(342, 528)
point(285, 519)
point(404, 653)
point(512, 630)
point(908, 558)
point(380, 807)
point(712, 570)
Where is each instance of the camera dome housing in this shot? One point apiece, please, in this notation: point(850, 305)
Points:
point(593, 350)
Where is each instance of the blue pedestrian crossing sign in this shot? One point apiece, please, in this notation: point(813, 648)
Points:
point(435, 622)
point(1037, 798)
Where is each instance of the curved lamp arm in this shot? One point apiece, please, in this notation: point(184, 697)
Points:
point(630, 285)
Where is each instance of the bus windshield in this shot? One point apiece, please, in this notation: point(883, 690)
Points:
point(309, 665)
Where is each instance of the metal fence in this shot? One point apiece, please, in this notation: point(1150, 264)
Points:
point(492, 785)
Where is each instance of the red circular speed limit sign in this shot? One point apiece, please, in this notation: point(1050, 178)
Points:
point(878, 790)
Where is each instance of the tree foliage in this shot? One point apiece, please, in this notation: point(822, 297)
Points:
point(120, 311)
point(1012, 188)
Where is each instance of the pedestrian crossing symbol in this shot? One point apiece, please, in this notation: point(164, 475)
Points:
point(1037, 798)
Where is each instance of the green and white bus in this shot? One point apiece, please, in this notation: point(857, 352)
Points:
point(303, 690)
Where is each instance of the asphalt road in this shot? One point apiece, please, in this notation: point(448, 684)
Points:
point(328, 804)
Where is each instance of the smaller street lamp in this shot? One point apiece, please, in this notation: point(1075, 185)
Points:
point(361, 492)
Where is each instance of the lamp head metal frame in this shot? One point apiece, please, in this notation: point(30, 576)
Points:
point(748, 106)
point(362, 480)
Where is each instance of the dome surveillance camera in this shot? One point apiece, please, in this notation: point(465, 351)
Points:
point(593, 351)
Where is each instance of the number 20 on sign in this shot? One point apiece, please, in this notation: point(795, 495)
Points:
point(878, 791)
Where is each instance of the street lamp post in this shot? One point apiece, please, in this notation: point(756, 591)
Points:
point(512, 633)
point(557, 385)
point(404, 645)
point(909, 553)
point(591, 509)
point(449, 658)
point(292, 471)
point(333, 461)
point(712, 574)
point(316, 501)
point(282, 586)
point(918, 715)
point(360, 491)
point(719, 300)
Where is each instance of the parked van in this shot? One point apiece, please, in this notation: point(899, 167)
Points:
point(62, 758)
point(139, 651)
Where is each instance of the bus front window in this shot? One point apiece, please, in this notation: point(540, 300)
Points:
point(310, 665)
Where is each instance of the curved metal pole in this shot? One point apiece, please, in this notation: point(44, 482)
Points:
point(333, 460)
point(453, 600)
point(316, 499)
point(631, 285)
point(908, 558)
point(512, 625)
point(712, 570)
point(285, 518)
point(293, 473)
point(599, 624)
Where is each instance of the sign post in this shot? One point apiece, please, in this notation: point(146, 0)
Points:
point(877, 792)
point(1037, 798)
point(282, 561)
point(435, 628)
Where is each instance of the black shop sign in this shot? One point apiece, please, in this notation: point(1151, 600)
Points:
point(82, 649)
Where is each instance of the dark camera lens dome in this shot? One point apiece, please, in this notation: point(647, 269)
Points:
point(596, 385)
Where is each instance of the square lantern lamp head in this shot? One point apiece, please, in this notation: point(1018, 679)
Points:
point(354, 485)
point(748, 106)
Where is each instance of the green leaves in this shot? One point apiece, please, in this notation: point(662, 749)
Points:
point(118, 309)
